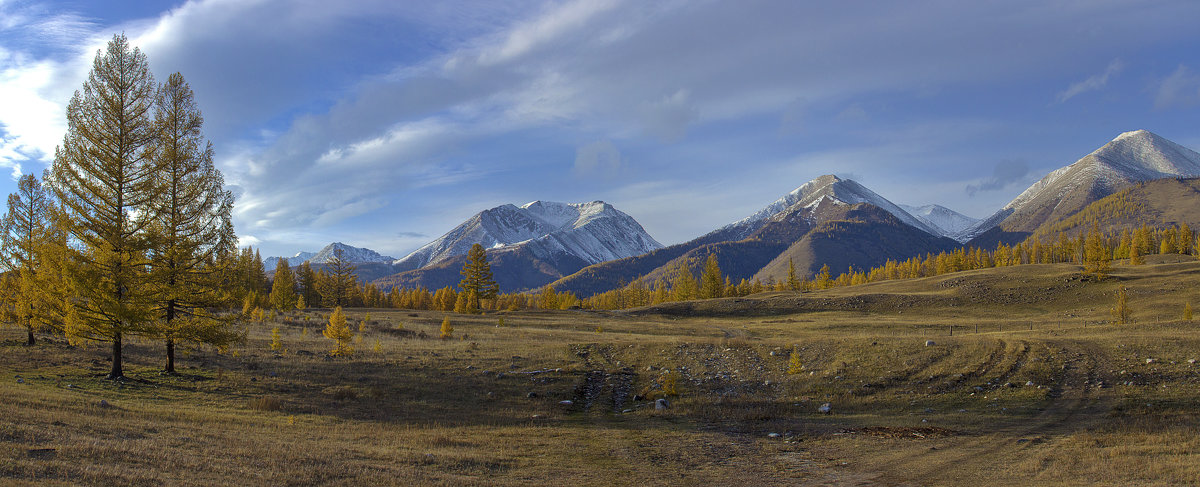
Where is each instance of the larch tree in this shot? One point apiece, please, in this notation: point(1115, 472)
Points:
point(26, 239)
point(712, 285)
point(103, 176)
point(339, 283)
point(1097, 257)
point(306, 281)
point(191, 225)
point(683, 285)
point(1121, 311)
point(477, 276)
point(338, 331)
point(792, 283)
point(283, 291)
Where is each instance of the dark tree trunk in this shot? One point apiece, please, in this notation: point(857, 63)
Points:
point(170, 356)
point(117, 372)
point(32, 341)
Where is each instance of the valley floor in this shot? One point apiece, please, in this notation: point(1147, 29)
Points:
point(1034, 386)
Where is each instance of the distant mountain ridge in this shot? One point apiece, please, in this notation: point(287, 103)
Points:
point(947, 222)
point(828, 220)
point(528, 245)
point(349, 254)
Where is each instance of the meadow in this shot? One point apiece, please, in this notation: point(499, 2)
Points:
point(1008, 376)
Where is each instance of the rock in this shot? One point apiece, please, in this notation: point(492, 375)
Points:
point(104, 404)
point(928, 410)
point(626, 411)
point(772, 435)
point(567, 402)
point(531, 395)
point(20, 380)
point(930, 343)
point(1029, 383)
point(254, 379)
point(70, 386)
point(661, 404)
point(1192, 361)
point(1149, 361)
point(536, 416)
point(272, 374)
point(978, 389)
point(639, 397)
point(962, 410)
point(825, 408)
point(500, 375)
point(1008, 384)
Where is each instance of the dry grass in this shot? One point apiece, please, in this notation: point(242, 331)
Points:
point(484, 407)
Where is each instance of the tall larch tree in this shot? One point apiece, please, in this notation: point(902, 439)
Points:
point(477, 277)
point(192, 225)
point(26, 237)
point(712, 285)
point(103, 177)
point(1097, 256)
point(339, 282)
point(283, 290)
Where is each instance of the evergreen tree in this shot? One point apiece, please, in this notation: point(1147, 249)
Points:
point(338, 287)
point(548, 299)
point(191, 224)
point(338, 331)
point(104, 178)
point(26, 239)
point(792, 283)
point(477, 276)
point(1097, 258)
point(683, 286)
point(1122, 312)
point(306, 281)
point(712, 285)
point(283, 293)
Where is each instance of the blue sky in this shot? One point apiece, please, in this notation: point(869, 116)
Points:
point(386, 123)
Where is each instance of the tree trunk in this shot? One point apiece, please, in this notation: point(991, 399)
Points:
point(116, 372)
point(32, 341)
point(170, 356)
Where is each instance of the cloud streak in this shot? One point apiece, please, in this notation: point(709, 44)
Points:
point(1092, 83)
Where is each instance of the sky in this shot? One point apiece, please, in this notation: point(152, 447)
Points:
point(385, 123)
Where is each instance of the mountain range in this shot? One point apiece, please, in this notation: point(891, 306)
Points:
point(593, 247)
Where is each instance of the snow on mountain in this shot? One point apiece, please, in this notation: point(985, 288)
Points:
point(349, 254)
point(1132, 157)
point(812, 193)
point(595, 232)
point(947, 221)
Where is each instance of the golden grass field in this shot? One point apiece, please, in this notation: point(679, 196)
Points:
point(1105, 404)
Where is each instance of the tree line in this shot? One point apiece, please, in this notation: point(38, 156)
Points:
point(1094, 249)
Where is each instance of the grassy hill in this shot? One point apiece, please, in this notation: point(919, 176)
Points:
point(1047, 386)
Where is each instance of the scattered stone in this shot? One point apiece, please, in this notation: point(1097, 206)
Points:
point(470, 367)
point(924, 420)
point(536, 416)
point(272, 374)
point(661, 404)
point(929, 343)
point(772, 435)
point(928, 410)
point(1191, 361)
point(978, 389)
point(1149, 361)
point(70, 386)
point(531, 395)
point(626, 411)
point(1008, 384)
point(104, 404)
point(566, 402)
point(500, 375)
point(639, 397)
point(825, 408)
point(254, 379)
point(1029, 383)
point(20, 380)
point(962, 410)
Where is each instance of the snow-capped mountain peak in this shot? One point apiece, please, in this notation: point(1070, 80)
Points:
point(593, 231)
point(948, 221)
point(1131, 157)
point(349, 254)
point(828, 187)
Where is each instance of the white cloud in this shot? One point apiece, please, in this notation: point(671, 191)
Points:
point(1180, 89)
point(1092, 83)
point(600, 158)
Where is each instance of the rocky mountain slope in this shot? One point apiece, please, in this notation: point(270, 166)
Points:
point(1132, 157)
